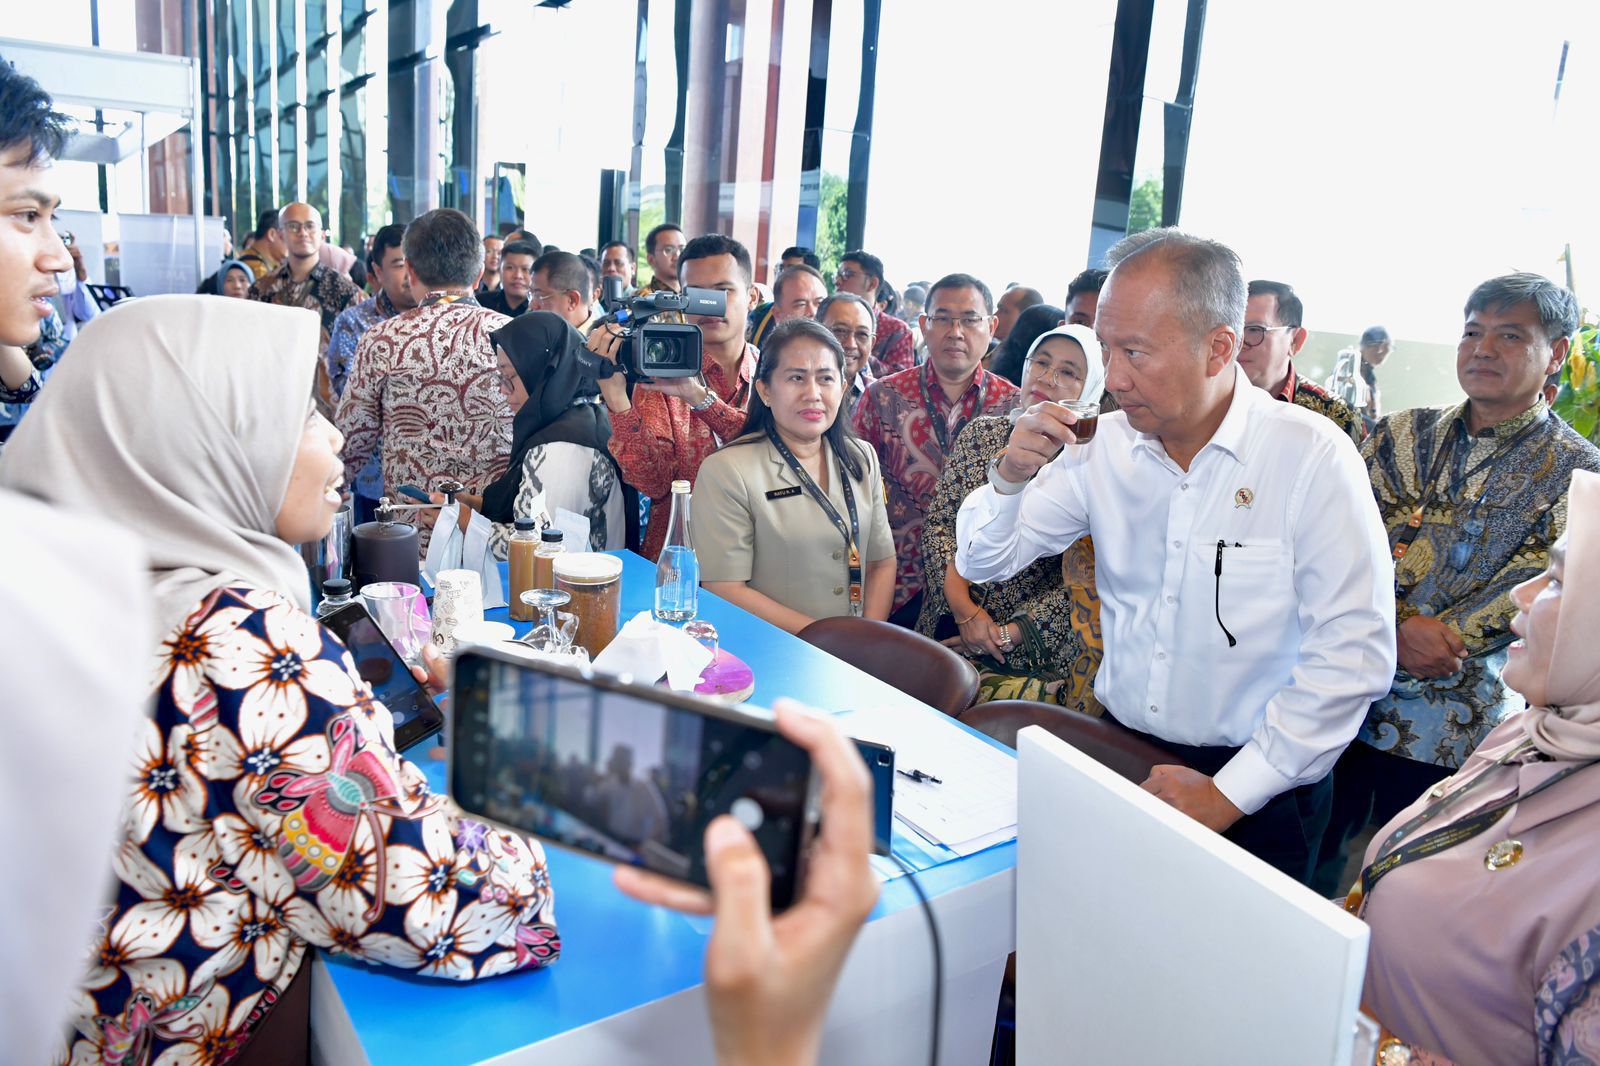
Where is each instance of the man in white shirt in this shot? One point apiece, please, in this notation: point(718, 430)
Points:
point(1246, 588)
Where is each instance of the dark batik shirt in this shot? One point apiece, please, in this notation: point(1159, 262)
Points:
point(1487, 526)
point(1302, 392)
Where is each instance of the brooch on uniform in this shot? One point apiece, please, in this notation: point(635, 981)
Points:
point(1244, 498)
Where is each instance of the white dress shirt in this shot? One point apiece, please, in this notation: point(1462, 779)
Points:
point(1306, 588)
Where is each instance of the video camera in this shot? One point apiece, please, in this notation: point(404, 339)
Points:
point(653, 349)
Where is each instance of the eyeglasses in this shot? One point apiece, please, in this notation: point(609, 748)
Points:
point(670, 249)
point(302, 227)
point(862, 337)
point(1041, 367)
point(944, 322)
point(542, 298)
point(1254, 335)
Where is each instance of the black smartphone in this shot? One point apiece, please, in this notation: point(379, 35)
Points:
point(880, 764)
point(629, 773)
point(416, 716)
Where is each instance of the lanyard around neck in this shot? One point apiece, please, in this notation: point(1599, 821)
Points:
point(851, 533)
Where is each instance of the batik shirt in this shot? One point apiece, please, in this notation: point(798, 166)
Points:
point(269, 811)
point(894, 419)
point(895, 349)
point(659, 440)
point(347, 331)
point(424, 393)
point(323, 291)
point(1303, 392)
point(1487, 526)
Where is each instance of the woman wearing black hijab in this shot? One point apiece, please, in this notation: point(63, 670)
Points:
point(558, 437)
point(1029, 327)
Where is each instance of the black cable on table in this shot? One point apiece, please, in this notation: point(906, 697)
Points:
point(938, 956)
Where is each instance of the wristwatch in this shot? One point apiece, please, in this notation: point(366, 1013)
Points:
point(1001, 485)
point(705, 404)
point(1394, 1052)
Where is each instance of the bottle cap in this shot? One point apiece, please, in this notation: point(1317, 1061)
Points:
point(552, 535)
point(335, 586)
point(681, 486)
point(526, 523)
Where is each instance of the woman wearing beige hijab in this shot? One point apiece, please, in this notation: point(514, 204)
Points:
point(1482, 896)
point(267, 808)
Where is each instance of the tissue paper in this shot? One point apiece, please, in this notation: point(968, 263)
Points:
point(646, 649)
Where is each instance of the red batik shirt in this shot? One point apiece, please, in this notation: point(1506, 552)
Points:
point(893, 417)
point(659, 440)
point(894, 350)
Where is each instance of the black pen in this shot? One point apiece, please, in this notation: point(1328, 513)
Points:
point(919, 776)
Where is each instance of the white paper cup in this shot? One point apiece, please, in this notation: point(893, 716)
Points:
point(457, 601)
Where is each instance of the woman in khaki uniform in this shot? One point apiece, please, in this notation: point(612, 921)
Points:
point(789, 519)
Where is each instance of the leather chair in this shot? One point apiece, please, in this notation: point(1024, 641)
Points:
point(921, 668)
point(1105, 742)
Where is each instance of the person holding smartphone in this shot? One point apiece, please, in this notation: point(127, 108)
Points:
point(267, 808)
point(769, 979)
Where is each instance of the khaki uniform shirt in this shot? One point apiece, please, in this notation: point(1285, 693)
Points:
point(754, 522)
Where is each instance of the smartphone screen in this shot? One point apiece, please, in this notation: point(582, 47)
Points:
point(416, 716)
point(626, 772)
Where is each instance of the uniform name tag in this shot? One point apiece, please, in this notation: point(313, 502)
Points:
point(784, 494)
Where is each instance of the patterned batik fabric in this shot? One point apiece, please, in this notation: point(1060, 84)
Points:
point(895, 349)
point(1498, 524)
point(348, 329)
point(1303, 392)
point(562, 475)
point(1052, 600)
point(1567, 1007)
point(327, 292)
point(424, 393)
point(892, 418)
point(660, 439)
point(267, 812)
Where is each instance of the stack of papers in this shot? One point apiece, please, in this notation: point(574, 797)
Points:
point(974, 804)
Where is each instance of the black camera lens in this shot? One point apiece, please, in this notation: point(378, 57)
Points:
point(658, 352)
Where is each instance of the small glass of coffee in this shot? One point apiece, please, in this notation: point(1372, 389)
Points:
point(1088, 413)
point(594, 581)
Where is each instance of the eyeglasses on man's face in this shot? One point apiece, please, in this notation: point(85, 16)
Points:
point(944, 323)
point(541, 297)
point(1255, 334)
point(862, 338)
point(671, 251)
point(302, 227)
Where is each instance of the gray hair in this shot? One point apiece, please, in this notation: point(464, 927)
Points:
point(443, 247)
point(1207, 277)
point(844, 298)
point(1557, 307)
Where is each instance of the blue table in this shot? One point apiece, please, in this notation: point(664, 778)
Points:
point(627, 988)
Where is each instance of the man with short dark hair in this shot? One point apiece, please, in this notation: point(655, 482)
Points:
point(424, 391)
point(1244, 580)
point(386, 263)
point(492, 247)
point(264, 247)
point(913, 417)
point(1083, 293)
point(303, 281)
point(514, 296)
point(617, 261)
point(663, 245)
point(895, 350)
point(1273, 335)
point(1473, 497)
point(561, 284)
point(795, 294)
point(32, 135)
point(665, 431)
point(1013, 302)
point(797, 255)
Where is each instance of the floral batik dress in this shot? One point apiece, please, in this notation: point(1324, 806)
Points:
point(269, 811)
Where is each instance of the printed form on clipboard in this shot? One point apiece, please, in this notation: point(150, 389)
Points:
point(974, 804)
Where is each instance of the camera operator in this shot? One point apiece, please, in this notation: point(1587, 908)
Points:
point(668, 427)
